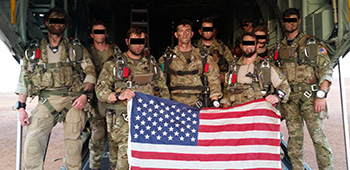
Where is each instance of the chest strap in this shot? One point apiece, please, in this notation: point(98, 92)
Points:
point(201, 88)
point(182, 73)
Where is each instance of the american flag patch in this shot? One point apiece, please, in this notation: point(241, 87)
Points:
point(323, 50)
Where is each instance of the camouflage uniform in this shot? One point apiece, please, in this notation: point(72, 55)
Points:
point(244, 89)
point(108, 83)
point(218, 50)
point(97, 119)
point(53, 78)
point(179, 64)
point(304, 75)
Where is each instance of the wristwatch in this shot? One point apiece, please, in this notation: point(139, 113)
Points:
point(20, 105)
point(87, 94)
point(216, 103)
point(321, 94)
point(117, 95)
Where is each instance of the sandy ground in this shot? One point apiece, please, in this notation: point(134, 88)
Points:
point(8, 126)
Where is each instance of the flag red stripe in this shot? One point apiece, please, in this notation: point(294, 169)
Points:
point(240, 127)
point(139, 168)
point(239, 142)
point(239, 114)
point(204, 157)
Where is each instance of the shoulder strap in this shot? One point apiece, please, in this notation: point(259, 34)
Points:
point(264, 75)
point(311, 50)
point(153, 64)
point(204, 57)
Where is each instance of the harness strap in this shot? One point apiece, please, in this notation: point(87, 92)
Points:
point(58, 116)
point(202, 88)
point(182, 73)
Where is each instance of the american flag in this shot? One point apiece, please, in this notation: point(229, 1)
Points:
point(167, 135)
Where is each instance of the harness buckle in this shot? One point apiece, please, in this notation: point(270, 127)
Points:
point(199, 104)
point(265, 64)
point(307, 94)
point(129, 84)
point(125, 117)
point(43, 99)
point(313, 87)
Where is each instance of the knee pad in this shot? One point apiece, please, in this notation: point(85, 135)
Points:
point(34, 147)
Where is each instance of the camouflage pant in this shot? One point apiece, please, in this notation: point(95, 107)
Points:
point(96, 143)
point(118, 129)
point(294, 113)
point(41, 124)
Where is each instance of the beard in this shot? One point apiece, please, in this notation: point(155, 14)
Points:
point(135, 51)
point(55, 31)
point(250, 54)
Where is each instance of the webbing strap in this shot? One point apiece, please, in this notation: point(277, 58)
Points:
point(202, 88)
point(60, 92)
point(53, 65)
point(58, 116)
point(182, 73)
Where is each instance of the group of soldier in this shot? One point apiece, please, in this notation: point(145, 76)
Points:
point(75, 84)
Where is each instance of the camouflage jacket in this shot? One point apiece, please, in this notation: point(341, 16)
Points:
point(218, 49)
point(52, 71)
point(298, 65)
point(179, 63)
point(100, 57)
point(108, 82)
point(247, 88)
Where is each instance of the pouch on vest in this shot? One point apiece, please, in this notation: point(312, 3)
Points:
point(142, 79)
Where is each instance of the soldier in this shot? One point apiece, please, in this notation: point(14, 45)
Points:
point(119, 79)
point(100, 53)
point(61, 74)
point(192, 75)
point(246, 26)
point(306, 64)
point(261, 35)
point(217, 49)
point(251, 77)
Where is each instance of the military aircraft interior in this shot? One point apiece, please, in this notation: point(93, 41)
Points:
point(22, 21)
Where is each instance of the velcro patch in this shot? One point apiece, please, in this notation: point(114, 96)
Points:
point(323, 50)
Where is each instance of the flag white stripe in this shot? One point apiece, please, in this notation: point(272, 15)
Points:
point(239, 135)
point(243, 120)
point(150, 163)
point(248, 107)
point(204, 149)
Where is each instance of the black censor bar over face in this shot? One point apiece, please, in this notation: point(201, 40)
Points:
point(208, 29)
point(261, 37)
point(244, 25)
point(57, 20)
point(290, 19)
point(102, 31)
point(248, 42)
point(135, 41)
